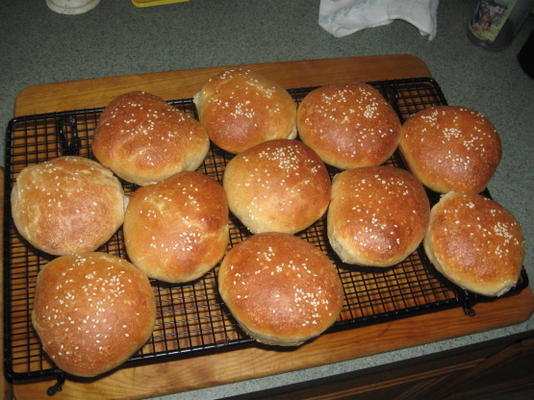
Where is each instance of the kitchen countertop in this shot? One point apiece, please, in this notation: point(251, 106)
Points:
point(38, 46)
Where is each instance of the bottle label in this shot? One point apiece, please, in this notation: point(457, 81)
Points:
point(489, 18)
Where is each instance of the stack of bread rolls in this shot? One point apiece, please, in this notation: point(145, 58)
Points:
point(281, 289)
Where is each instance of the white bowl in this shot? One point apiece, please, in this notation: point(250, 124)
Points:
point(71, 6)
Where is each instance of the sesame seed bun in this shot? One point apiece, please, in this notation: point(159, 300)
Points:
point(67, 205)
point(348, 125)
point(176, 230)
point(240, 108)
point(451, 148)
point(475, 243)
point(144, 140)
point(377, 215)
point(281, 289)
point(92, 311)
point(277, 186)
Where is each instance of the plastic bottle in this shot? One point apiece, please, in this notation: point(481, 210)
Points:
point(495, 23)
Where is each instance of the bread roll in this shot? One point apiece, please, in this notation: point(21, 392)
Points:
point(67, 205)
point(144, 140)
point(177, 230)
point(377, 216)
point(240, 108)
point(475, 243)
point(277, 186)
point(281, 289)
point(348, 125)
point(450, 148)
point(92, 311)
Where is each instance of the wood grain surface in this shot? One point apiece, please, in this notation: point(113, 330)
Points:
point(257, 361)
point(5, 387)
point(184, 84)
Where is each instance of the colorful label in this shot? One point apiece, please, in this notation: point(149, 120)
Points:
point(489, 18)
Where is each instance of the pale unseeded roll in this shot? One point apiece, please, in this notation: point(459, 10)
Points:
point(92, 311)
point(277, 186)
point(451, 148)
point(177, 230)
point(67, 205)
point(475, 243)
point(144, 140)
point(281, 289)
point(377, 215)
point(349, 125)
point(240, 108)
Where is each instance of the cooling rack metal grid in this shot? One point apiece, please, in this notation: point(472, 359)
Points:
point(191, 318)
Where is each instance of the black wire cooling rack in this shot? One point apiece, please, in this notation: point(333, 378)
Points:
point(191, 318)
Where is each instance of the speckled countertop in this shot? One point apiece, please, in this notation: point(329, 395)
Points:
point(39, 46)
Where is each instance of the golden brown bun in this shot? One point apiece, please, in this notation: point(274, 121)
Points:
point(377, 216)
point(277, 186)
point(450, 148)
point(177, 230)
point(144, 140)
point(475, 243)
point(240, 108)
point(92, 311)
point(349, 125)
point(67, 205)
point(281, 289)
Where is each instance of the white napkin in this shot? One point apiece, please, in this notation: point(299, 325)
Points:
point(343, 17)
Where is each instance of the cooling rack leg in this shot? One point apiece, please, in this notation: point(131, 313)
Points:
point(468, 310)
point(58, 386)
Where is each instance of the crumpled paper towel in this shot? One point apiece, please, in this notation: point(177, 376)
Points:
point(343, 17)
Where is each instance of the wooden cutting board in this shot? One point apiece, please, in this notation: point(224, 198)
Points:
point(253, 362)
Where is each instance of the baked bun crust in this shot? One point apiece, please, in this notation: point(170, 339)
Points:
point(475, 243)
point(277, 186)
point(451, 148)
point(377, 215)
point(67, 205)
point(349, 125)
point(144, 140)
point(92, 311)
point(177, 230)
point(240, 108)
point(281, 289)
